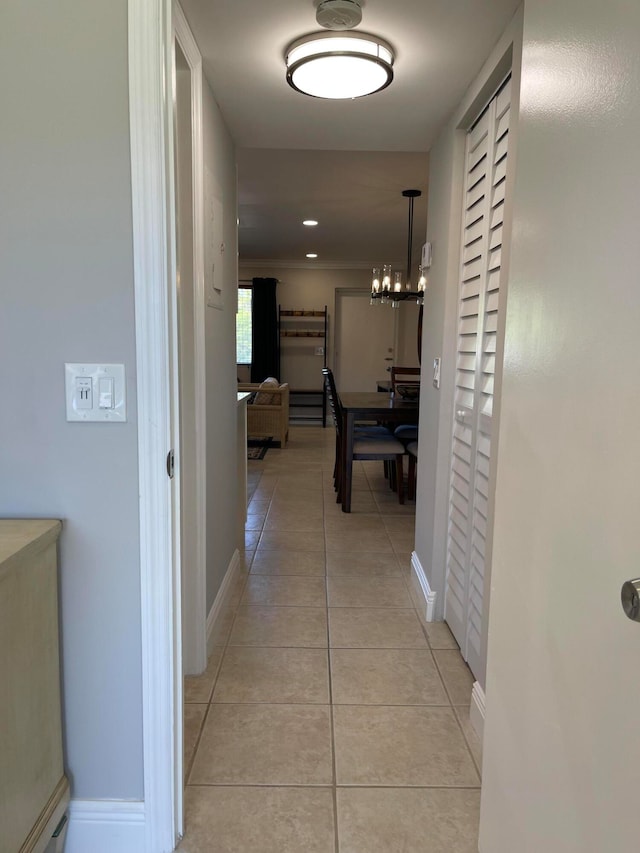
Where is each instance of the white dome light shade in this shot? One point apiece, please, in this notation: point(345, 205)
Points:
point(331, 65)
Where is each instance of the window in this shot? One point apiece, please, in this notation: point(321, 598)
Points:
point(243, 326)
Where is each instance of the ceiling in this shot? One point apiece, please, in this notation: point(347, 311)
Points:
point(344, 163)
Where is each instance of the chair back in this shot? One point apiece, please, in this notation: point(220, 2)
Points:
point(404, 376)
point(332, 394)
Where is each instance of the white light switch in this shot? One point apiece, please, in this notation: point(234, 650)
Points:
point(95, 392)
point(436, 372)
point(105, 392)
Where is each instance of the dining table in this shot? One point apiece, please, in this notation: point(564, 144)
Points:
point(384, 408)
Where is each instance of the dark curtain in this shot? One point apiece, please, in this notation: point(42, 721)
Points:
point(264, 330)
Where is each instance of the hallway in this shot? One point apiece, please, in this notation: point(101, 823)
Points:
point(330, 719)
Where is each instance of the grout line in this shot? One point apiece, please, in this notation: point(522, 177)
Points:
point(369, 785)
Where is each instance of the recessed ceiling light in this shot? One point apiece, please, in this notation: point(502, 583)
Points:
point(309, 222)
point(312, 255)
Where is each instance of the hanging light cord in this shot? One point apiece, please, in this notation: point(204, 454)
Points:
point(411, 195)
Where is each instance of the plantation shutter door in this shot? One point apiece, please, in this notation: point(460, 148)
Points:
point(479, 303)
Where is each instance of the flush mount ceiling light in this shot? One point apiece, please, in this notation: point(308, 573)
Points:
point(310, 222)
point(339, 65)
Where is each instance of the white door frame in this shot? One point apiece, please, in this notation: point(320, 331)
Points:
point(194, 604)
point(150, 47)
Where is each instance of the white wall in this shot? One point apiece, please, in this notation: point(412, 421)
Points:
point(561, 751)
point(446, 171)
point(221, 380)
point(67, 295)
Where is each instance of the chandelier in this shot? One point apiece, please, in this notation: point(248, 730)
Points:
point(384, 290)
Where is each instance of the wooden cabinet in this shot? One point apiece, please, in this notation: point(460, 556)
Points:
point(34, 792)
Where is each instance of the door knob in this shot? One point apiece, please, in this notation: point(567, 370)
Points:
point(630, 597)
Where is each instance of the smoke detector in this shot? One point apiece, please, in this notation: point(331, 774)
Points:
point(339, 14)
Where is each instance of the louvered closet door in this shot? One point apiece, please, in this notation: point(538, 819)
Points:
point(479, 303)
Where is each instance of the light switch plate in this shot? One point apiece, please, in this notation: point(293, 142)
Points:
point(436, 372)
point(78, 376)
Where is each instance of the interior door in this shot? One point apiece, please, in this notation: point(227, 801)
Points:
point(365, 341)
point(478, 306)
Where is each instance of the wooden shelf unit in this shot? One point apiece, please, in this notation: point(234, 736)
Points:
point(297, 325)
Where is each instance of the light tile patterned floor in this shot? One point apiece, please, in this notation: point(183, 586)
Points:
point(330, 718)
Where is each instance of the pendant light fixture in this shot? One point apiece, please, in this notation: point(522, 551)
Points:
point(336, 65)
point(394, 288)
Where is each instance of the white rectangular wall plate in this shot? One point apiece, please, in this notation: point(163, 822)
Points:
point(436, 372)
point(426, 256)
point(95, 392)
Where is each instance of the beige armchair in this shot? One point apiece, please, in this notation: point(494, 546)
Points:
point(268, 419)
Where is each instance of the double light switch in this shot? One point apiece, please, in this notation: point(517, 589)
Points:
point(95, 392)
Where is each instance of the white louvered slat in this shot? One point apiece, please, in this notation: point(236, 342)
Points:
point(503, 126)
point(500, 171)
point(477, 192)
point(497, 215)
point(473, 232)
point(496, 237)
point(478, 312)
point(470, 288)
point(498, 194)
point(473, 214)
point(501, 149)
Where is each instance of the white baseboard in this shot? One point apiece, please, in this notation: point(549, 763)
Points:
point(105, 826)
point(423, 583)
point(477, 709)
point(218, 606)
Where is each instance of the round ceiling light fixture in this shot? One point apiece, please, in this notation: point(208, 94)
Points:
point(339, 66)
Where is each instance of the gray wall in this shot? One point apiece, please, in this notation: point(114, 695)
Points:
point(221, 380)
point(66, 291)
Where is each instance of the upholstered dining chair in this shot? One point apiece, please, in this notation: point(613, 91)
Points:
point(412, 452)
point(368, 443)
point(407, 377)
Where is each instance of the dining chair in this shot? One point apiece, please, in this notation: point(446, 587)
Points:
point(367, 445)
point(412, 452)
point(409, 377)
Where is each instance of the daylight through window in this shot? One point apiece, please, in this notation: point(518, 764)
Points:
point(243, 326)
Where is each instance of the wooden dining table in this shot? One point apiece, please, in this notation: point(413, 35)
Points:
point(369, 406)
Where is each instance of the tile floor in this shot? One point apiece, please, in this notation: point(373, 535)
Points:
point(330, 718)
